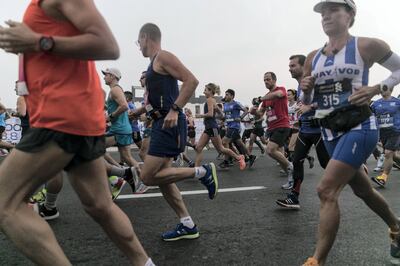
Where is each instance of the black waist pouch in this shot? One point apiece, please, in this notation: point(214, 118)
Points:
point(345, 118)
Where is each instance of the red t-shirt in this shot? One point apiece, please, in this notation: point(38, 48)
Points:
point(65, 94)
point(277, 111)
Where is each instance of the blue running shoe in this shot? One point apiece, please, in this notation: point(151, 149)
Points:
point(181, 232)
point(210, 180)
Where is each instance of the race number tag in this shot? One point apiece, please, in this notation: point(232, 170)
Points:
point(332, 95)
point(385, 120)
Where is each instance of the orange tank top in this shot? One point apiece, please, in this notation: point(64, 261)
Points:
point(64, 94)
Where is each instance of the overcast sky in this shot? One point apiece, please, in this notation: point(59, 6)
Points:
point(229, 42)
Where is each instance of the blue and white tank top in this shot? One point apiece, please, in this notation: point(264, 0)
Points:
point(346, 64)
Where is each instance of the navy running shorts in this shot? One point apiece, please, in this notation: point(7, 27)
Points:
point(168, 142)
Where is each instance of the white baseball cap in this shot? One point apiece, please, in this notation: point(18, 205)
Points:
point(113, 71)
point(350, 3)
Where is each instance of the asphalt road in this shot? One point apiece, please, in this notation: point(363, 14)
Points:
point(237, 228)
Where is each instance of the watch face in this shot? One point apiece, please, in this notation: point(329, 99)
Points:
point(46, 43)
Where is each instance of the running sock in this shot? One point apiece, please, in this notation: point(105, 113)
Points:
point(118, 171)
point(187, 221)
point(199, 172)
point(149, 262)
point(51, 200)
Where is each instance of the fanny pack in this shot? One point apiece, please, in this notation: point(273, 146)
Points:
point(344, 118)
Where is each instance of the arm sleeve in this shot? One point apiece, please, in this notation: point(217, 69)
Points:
point(392, 63)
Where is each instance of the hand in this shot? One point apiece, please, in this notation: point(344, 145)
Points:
point(307, 84)
point(133, 115)
point(303, 108)
point(171, 120)
point(363, 95)
point(18, 38)
point(197, 116)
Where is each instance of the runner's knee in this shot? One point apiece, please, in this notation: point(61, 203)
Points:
point(327, 194)
point(97, 209)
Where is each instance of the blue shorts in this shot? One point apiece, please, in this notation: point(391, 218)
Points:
point(121, 139)
point(354, 147)
point(233, 134)
point(169, 142)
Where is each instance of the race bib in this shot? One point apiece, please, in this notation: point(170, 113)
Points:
point(385, 120)
point(333, 95)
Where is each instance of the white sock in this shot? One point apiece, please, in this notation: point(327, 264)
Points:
point(149, 262)
point(200, 171)
point(187, 221)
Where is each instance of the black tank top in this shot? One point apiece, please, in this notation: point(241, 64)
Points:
point(209, 122)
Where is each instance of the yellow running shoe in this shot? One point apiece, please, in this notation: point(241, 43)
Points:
point(311, 262)
point(380, 180)
point(117, 188)
point(39, 197)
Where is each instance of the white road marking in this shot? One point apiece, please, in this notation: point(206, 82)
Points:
point(192, 192)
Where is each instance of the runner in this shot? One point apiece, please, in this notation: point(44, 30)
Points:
point(211, 128)
point(191, 128)
point(337, 76)
point(59, 40)
point(146, 119)
point(247, 122)
point(136, 136)
point(387, 111)
point(233, 117)
point(257, 131)
point(168, 136)
point(274, 104)
point(4, 144)
point(308, 136)
point(293, 121)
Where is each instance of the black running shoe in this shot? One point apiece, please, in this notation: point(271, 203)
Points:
point(291, 202)
point(131, 176)
point(252, 159)
point(47, 214)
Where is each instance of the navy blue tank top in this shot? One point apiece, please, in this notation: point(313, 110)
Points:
point(162, 89)
point(209, 122)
